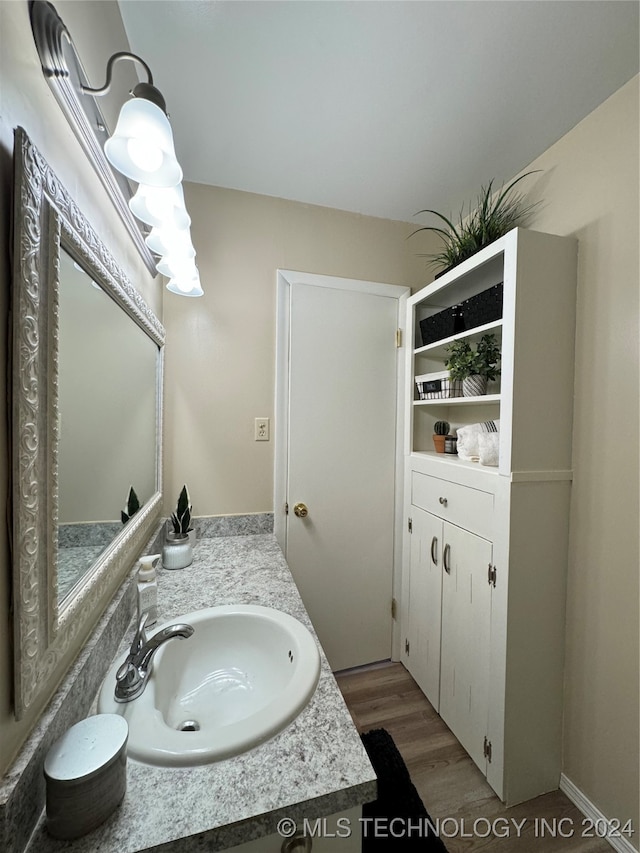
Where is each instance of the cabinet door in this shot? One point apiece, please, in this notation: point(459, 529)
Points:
point(425, 607)
point(466, 623)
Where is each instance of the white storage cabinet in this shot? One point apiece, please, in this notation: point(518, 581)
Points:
point(485, 549)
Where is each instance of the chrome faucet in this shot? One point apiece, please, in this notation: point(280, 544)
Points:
point(132, 676)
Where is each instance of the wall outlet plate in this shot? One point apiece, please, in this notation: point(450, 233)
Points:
point(261, 429)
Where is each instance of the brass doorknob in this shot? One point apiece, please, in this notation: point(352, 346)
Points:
point(301, 510)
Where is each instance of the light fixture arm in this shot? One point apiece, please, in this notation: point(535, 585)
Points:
point(65, 75)
point(142, 90)
point(141, 148)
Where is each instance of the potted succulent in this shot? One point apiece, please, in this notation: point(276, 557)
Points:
point(131, 507)
point(440, 432)
point(495, 213)
point(475, 367)
point(178, 549)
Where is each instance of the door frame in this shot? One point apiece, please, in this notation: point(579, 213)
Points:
point(285, 280)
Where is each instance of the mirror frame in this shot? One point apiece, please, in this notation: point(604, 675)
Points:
point(45, 219)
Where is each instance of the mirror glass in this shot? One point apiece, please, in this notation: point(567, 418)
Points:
point(107, 405)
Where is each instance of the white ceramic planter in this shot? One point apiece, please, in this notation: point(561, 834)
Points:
point(177, 552)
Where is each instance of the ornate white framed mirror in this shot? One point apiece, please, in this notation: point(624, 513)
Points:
point(87, 358)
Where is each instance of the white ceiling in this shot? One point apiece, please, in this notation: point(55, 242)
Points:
point(382, 108)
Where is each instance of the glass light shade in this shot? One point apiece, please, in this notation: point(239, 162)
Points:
point(194, 287)
point(142, 145)
point(167, 241)
point(186, 281)
point(181, 265)
point(160, 206)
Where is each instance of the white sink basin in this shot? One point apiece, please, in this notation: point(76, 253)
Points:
point(244, 675)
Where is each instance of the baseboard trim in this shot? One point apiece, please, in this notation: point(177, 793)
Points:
point(365, 667)
point(620, 843)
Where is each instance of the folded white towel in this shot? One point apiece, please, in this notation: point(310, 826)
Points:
point(488, 447)
point(468, 447)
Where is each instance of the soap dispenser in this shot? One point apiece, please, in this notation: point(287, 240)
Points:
point(148, 589)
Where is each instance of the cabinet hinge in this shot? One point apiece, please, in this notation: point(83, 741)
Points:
point(492, 575)
point(487, 749)
point(398, 338)
point(410, 525)
point(406, 646)
point(394, 608)
point(286, 509)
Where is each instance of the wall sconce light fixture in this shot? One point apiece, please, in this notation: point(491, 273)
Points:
point(140, 149)
point(141, 146)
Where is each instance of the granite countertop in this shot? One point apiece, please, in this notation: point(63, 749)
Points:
point(317, 766)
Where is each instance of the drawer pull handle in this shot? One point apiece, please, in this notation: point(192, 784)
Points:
point(445, 558)
point(434, 550)
point(442, 501)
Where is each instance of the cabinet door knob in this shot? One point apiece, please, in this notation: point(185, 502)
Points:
point(301, 510)
point(442, 501)
point(445, 558)
point(434, 550)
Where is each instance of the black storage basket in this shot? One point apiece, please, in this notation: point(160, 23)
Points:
point(483, 308)
point(438, 326)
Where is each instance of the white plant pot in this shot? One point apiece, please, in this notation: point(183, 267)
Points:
point(177, 553)
point(474, 386)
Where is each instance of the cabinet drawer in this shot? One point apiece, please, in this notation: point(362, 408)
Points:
point(469, 508)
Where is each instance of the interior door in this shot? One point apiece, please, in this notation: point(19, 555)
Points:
point(466, 626)
point(341, 462)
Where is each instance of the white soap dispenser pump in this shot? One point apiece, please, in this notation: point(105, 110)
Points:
point(148, 589)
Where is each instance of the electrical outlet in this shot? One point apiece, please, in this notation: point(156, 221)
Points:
point(261, 429)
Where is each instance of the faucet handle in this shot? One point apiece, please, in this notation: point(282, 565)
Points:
point(126, 673)
point(129, 682)
point(140, 637)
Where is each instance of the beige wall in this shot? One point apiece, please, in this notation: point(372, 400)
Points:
point(220, 355)
point(590, 188)
point(26, 100)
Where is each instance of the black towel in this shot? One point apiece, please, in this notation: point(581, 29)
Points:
point(397, 820)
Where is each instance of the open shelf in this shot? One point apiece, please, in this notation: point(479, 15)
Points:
point(454, 459)
point(437, 348)
point(460, 401)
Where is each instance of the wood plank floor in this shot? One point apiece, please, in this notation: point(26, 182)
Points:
point(449, 783)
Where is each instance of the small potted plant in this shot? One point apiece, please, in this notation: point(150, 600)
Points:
point(475, 367)
point(440, 432)
point(178, 549)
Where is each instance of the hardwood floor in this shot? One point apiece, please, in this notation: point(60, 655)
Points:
point(449, 783)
